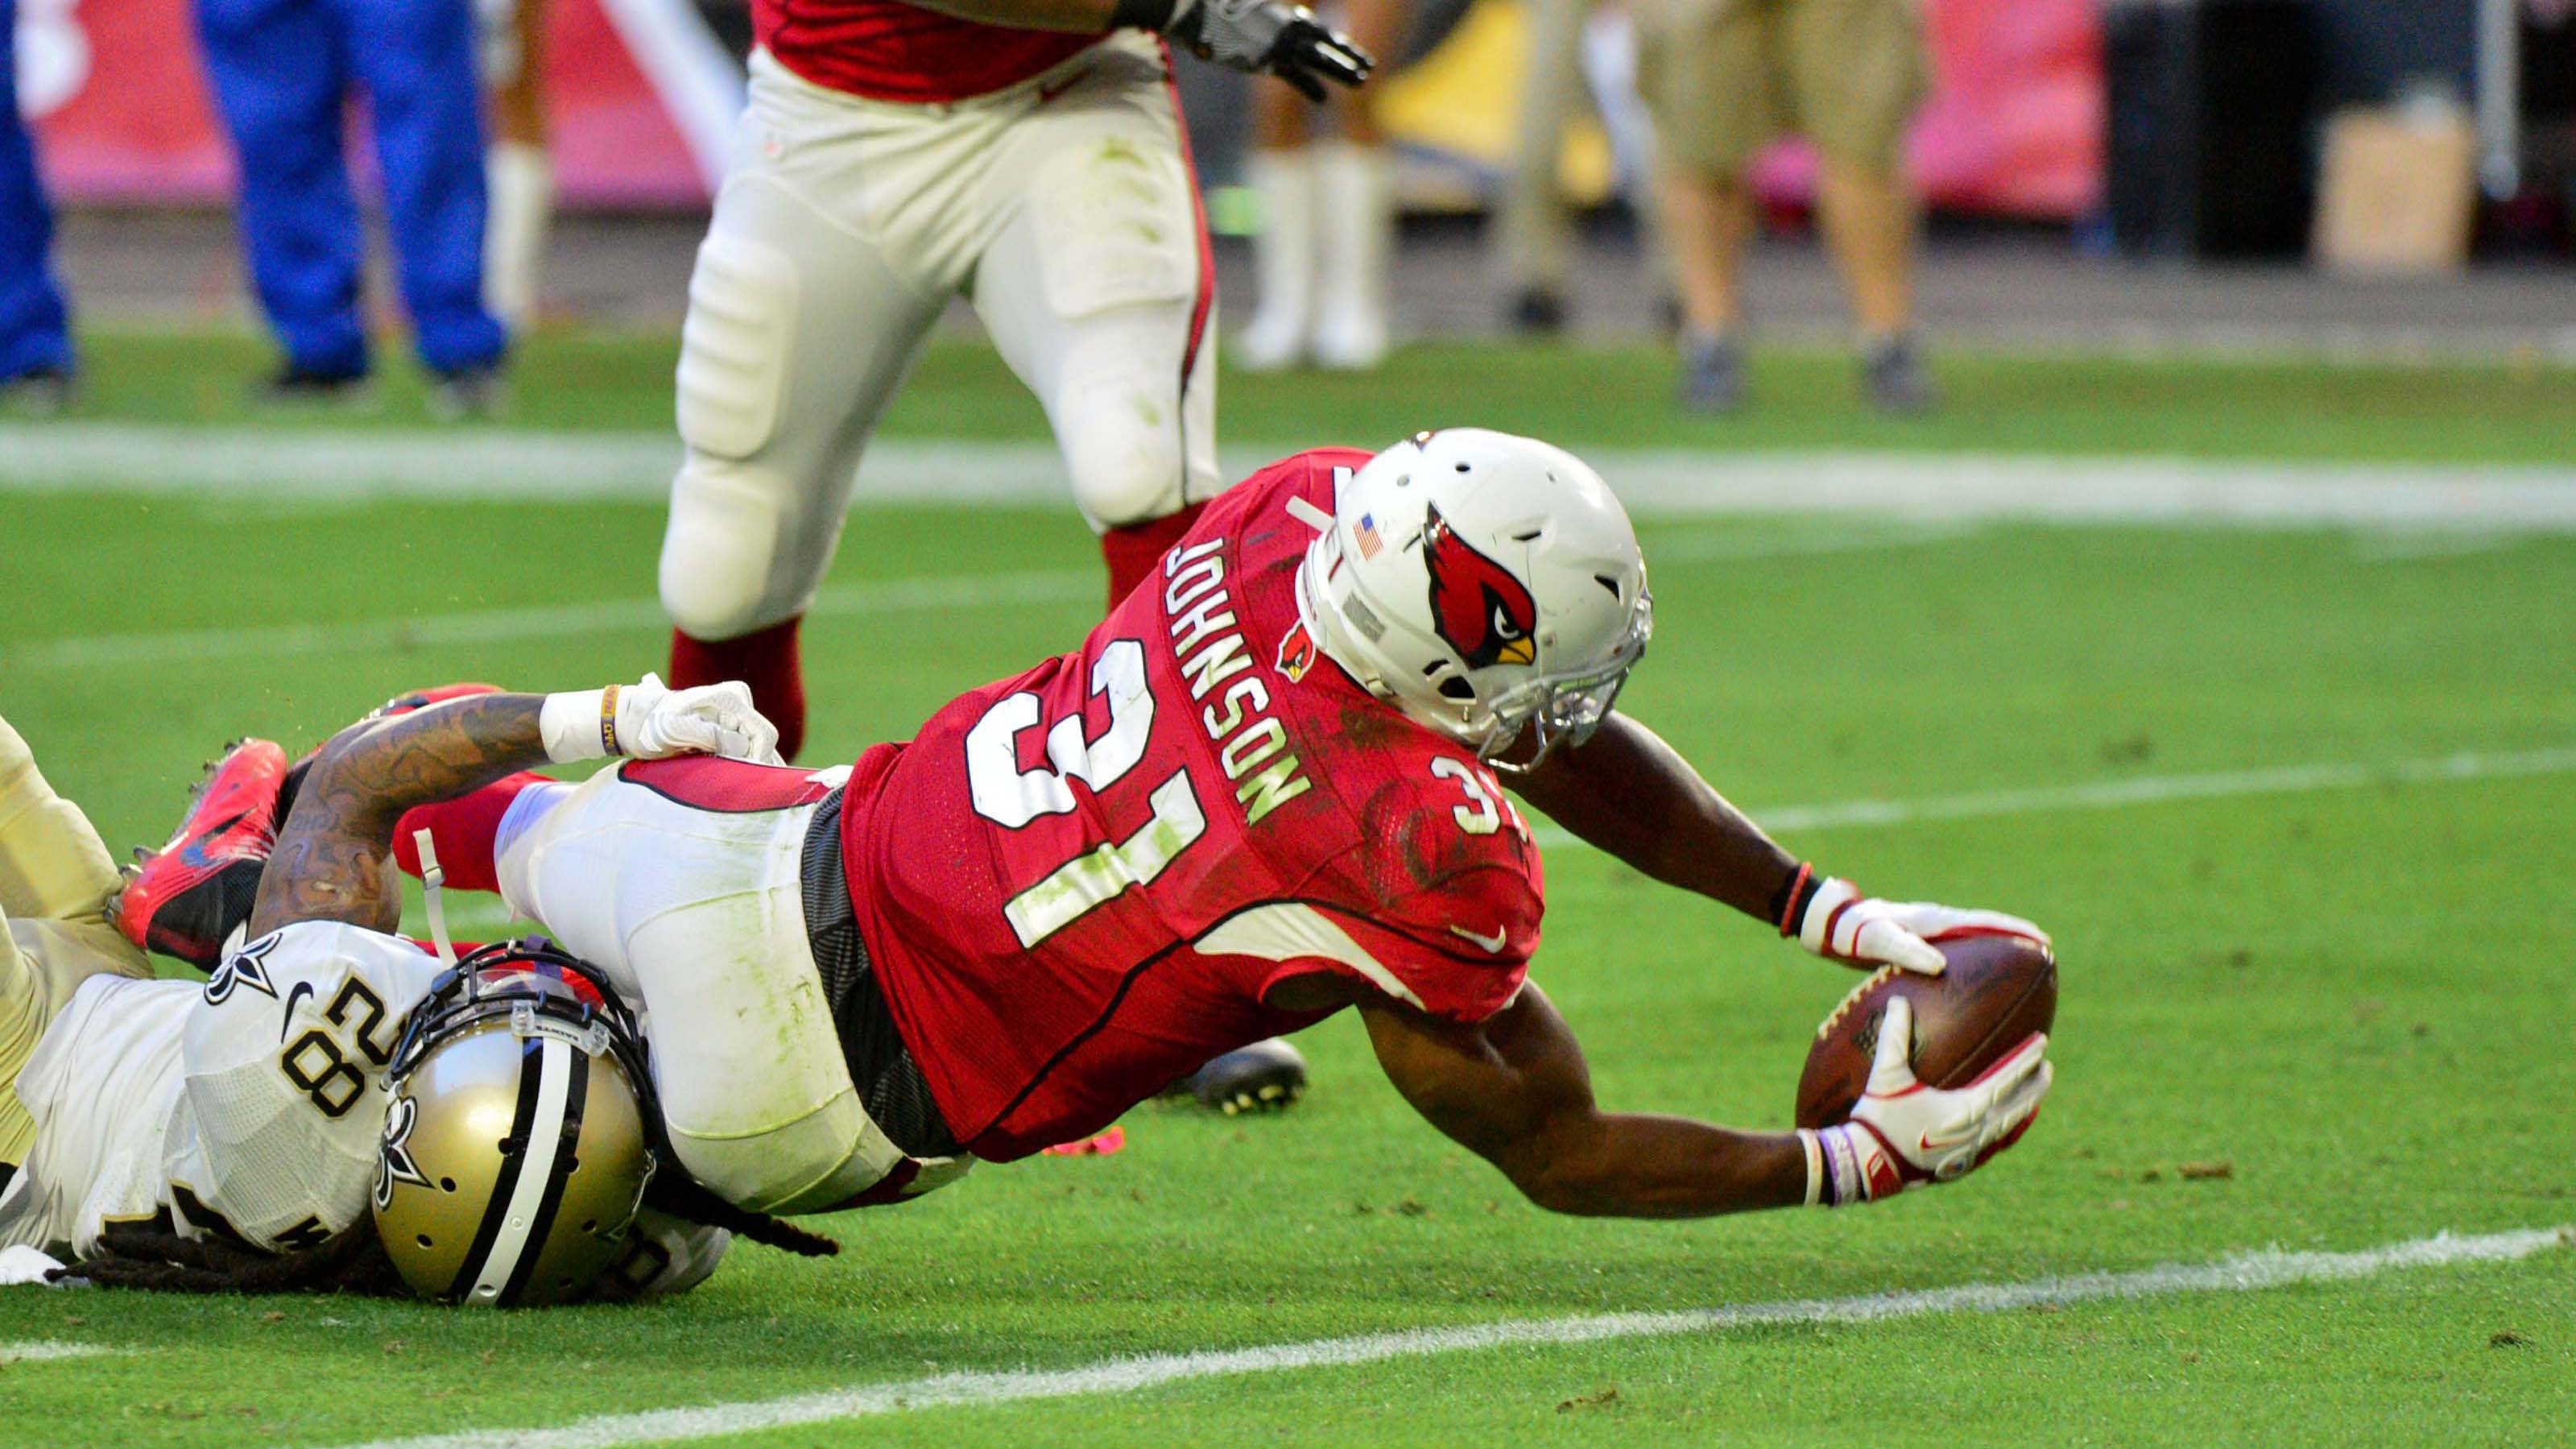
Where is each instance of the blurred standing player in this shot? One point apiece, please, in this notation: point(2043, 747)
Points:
point(282, 72)
point(35, 329)
point(519, 175)
point(1027, 154)
point(1722, 78)
point(1569, 51)
point(1327, 219)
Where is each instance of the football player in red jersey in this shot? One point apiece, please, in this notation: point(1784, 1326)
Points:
point(1025, 154)
point(1269, 786)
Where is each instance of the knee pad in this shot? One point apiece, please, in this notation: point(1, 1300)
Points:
point(722, 550)
point(1122, 446)
point(813, 1162)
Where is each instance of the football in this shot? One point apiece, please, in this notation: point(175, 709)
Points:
point(1998, 990)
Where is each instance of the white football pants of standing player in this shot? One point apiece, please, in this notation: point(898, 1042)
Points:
point(1063, 207)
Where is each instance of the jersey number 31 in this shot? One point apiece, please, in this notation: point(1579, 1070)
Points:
point(1012, 797)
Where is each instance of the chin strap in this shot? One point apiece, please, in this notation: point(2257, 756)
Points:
point(432, 881)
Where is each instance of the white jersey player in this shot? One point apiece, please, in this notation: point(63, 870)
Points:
point(250, 1111)
point(246, 1108)
point(1027, 155)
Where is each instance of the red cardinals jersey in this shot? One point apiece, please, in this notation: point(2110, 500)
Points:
point(1078, 884)
point(889, 51)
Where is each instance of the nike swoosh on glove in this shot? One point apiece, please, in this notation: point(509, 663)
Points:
point(1903, 1134)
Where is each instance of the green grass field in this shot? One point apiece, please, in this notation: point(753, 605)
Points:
point(2353, 987)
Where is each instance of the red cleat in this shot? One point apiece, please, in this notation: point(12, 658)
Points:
point(185, 900)
point(186, 897)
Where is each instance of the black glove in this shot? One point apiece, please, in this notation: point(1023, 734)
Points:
point(1257, 37)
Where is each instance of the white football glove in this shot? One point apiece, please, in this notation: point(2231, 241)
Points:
point(1903, 1134)
point(1841, 924)
point(648, 721)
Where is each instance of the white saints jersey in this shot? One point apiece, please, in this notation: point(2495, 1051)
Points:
point(247, 1109)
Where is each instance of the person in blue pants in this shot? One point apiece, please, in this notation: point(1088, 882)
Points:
point(282, 72)
point(35, 336)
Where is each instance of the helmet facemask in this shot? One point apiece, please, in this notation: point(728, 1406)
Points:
point(1564, 708)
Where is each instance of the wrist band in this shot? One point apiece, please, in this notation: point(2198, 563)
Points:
point(1794, 898)
point(1151, 15)
point(1815, 1166)
point(1845, 1184)
point(608, 720)
point(575, 725)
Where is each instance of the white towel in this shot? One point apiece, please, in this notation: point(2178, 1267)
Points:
point(23, 1264)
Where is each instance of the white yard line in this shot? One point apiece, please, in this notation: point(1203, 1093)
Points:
point(530, 464)
point(2243, 1273)
point(2154, 790)
point(45, 1350)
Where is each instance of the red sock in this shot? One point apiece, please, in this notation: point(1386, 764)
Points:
point(463, 831)
point(767, 661)
point(1134, 552)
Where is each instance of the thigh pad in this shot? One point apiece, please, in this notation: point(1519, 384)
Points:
point(735, 345)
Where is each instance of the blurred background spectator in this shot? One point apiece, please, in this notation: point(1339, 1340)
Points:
point(283, 73)
point(1534, 236)
point(1327, 212)
point(35, 337)
point(1722, 79)
point(518, 170)
point(2221, 142)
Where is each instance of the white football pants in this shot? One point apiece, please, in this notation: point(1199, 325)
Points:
point(1062, 207)
point(698, 916)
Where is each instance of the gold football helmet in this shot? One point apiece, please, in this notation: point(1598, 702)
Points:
point(522, 1132)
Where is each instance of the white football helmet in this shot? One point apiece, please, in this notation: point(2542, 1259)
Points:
point(1483, 584)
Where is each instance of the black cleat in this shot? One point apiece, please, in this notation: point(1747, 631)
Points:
point(1712, 381)
point(40, 392)
point(1266, 1076)
point(1895, 380)
point(295, 387)
point(1536, 312)
point(470, 393)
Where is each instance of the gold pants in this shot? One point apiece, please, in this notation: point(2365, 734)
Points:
point(1722, 77)
point(55, 882)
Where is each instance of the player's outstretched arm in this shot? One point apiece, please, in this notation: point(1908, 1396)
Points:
point(1634, 796)
point(330, 863)
point(1515, 1091)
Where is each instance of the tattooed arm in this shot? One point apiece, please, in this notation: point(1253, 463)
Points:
point(333, 855)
